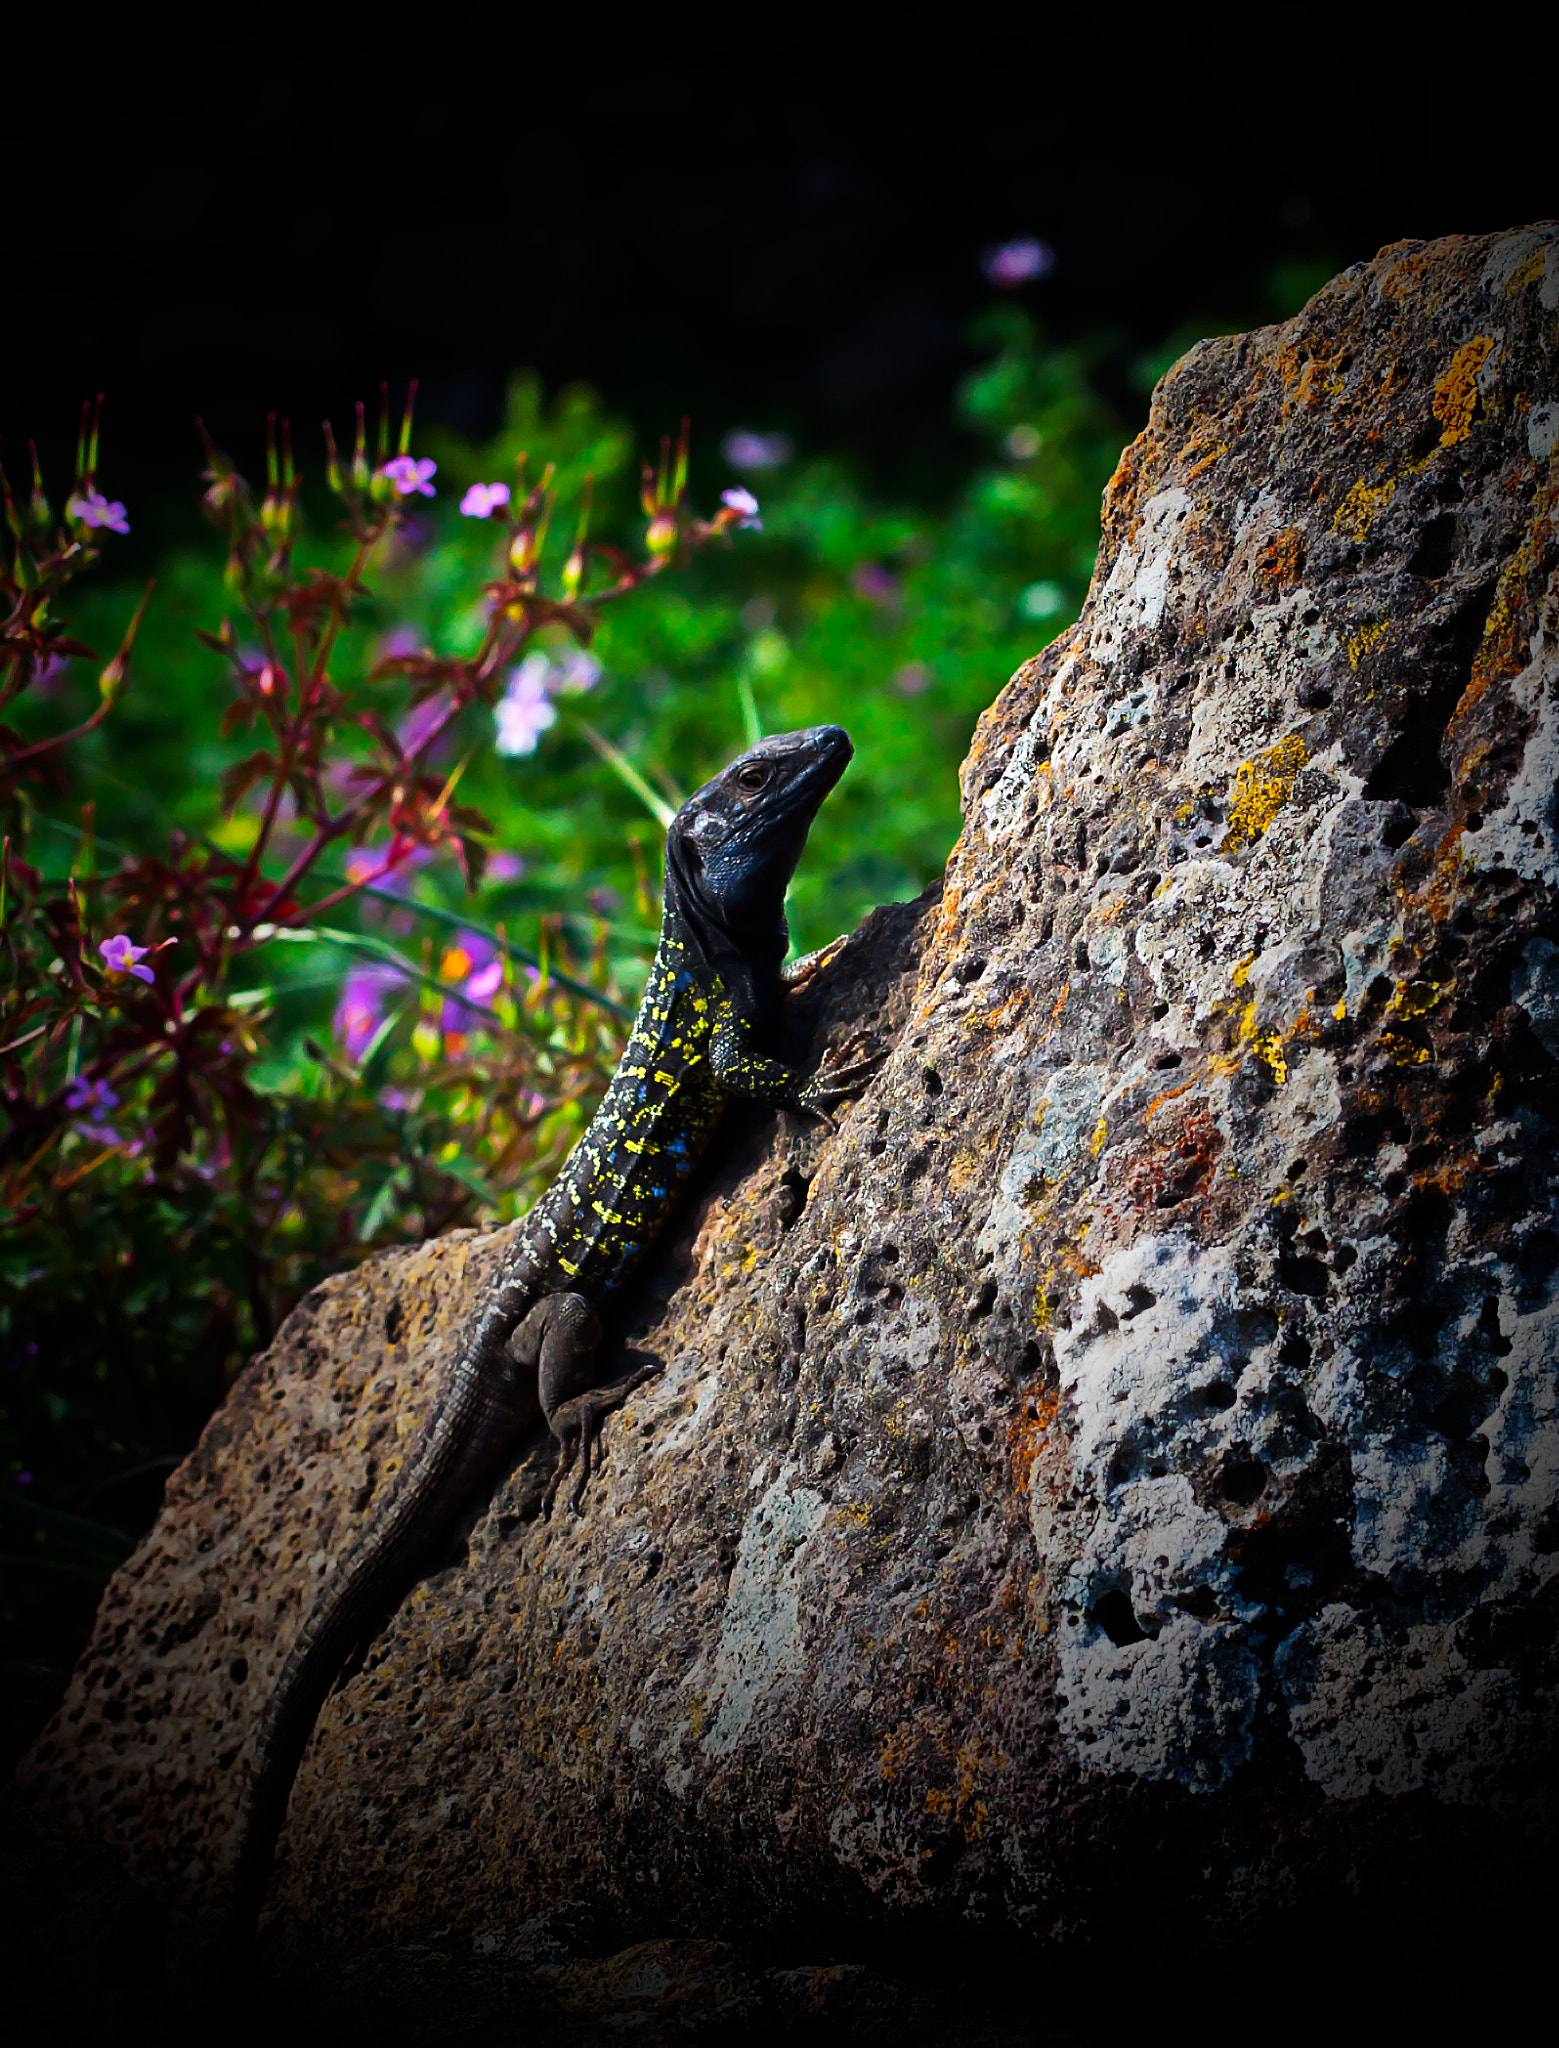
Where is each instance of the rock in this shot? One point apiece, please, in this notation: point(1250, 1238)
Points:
point(1111, 1482)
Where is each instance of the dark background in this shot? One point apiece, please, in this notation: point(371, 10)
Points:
point(766, 217)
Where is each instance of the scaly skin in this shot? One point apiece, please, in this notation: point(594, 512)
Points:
point(714, 989)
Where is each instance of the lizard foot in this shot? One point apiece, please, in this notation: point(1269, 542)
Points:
point(577, 1426)
point(844, 1071)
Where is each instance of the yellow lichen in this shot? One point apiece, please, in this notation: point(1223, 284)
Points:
point(1096, 1142)
point(1526, 273)
point(1358, 509)
point(1341, 1011)
point(1456, 393)
point(1269, 1047)
point(1261, 788)
point(1360, 643)
point(1241, 973)
point(1405, 1051)
point(1415, 998)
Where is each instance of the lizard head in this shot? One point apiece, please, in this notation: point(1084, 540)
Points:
point(734, 845)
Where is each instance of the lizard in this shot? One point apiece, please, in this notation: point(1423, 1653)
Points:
point(711, 1000)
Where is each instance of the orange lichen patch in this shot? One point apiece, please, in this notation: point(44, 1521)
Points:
point(1026, 1437)
point(964, 1170)
point(1169, 1095)
point(1005, 1016)
point(1456, 392)
point(1206, 457)
point(1282, 560)
point(1180, 1165)
point(1360, 643)
point(961, 1802)
point(898, 1749)
point(1261, 788)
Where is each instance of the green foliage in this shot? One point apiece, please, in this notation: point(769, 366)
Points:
point(139, 1287)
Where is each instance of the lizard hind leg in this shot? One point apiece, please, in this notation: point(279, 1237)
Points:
point(561, 1337)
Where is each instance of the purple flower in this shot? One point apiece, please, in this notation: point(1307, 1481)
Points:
point(409, 474)
point(876, 584)
point(505, 867)
point(121, 957)
point(575, 673)
point(746, 450)
point(96, 1096)
point(483, 500)
point(1020, 262)
point(473, 962)
point(746, 504)
point(486, 982)
point(912, 678)
point(364, 995)
point(524, 711)
point(415, 727)
point(96, 510)
point(367, 864)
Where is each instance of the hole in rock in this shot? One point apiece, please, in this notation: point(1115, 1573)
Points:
point(1411, 769)
point(1243, 1479)
point(1114, 1614)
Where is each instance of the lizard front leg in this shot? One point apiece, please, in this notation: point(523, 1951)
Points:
point(742, 1070)
point(561, 1337)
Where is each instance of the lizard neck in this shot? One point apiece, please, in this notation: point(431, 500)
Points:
point(745, 958)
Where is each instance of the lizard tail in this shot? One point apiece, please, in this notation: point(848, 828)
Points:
point(460, 1445)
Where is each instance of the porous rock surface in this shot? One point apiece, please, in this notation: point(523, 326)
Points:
point(1117, 1469)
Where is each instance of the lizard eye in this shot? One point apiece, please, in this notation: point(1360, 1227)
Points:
point(753, 776)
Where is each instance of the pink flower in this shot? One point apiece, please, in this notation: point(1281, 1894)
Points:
point(524, 710)
point(483, 500)
point(486, 982)
point(746, 504)
point(96, 510)
point(409, 474)
point(121, 957)
point(505, 867)
point(1021, 262)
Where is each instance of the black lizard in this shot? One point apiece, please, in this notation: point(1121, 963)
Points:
point(713, 994)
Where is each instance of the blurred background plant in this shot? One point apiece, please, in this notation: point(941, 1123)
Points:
point(390, 952)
